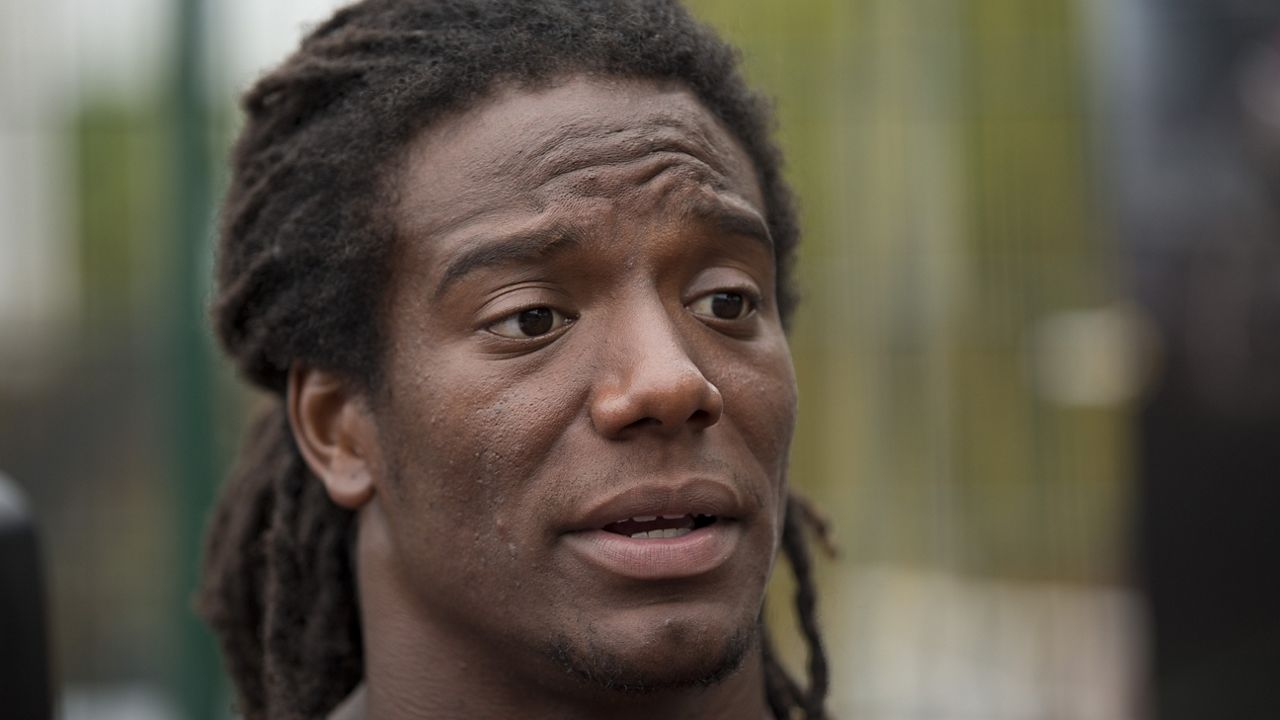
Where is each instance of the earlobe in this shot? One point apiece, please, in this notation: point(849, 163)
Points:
point(335, 433)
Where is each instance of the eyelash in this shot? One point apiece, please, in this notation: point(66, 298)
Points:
point(750, 298)
point(561, 321)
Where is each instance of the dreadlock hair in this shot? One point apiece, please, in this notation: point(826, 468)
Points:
point(303, 257)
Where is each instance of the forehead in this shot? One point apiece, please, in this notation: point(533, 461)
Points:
point(523, 149)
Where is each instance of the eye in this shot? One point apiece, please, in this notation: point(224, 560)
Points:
point(530, 323)
point(723, 305)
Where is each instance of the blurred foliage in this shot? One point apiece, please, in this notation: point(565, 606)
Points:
point(87, 445)
point(938, 150)
point(123, 212)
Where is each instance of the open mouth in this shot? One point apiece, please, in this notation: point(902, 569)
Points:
point(651, 527)
point(658, 546)
point(666, 530)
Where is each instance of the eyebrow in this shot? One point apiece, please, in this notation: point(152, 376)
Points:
point(541, 243)
point(731, 220)
point(519, 248)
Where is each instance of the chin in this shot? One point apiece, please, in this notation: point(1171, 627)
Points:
point(670, 655)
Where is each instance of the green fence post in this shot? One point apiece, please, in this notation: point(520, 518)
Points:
point(199, 676)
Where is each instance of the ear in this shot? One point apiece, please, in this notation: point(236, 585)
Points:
point(335, 432)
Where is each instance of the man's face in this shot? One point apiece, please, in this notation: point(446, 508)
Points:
point(584, 346)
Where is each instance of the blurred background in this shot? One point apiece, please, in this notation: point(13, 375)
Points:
point(1039, 350)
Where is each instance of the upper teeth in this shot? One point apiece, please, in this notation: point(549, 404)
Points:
point(666, 533)
point(650, 518)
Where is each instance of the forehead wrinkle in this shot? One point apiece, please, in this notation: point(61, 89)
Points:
point(631, 178)
point(584, 144)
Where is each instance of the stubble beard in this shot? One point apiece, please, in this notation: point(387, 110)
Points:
point(604, 668)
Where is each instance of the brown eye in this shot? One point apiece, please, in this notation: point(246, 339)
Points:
point(723, 305)
point(530, 323)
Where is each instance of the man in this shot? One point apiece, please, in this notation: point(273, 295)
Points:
point(516, 276)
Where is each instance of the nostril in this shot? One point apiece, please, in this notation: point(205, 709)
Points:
point(644, 423)
point(699, 418)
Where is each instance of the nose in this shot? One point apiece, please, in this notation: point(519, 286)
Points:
point(650, 384)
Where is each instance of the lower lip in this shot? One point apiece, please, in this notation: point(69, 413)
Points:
point(696, 553)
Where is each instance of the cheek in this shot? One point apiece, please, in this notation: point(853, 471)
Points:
point(467, 451)
point(760, 400)
point(470, 436)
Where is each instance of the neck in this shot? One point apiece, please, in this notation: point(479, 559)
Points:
point(418, 667)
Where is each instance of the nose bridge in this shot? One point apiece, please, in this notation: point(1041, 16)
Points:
point(649, 378)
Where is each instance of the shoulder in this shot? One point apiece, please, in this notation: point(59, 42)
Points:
point(351, 708)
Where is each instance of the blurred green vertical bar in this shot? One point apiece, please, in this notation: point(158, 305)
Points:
point(198, 674)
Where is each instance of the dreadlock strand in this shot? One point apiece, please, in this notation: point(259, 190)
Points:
point(797, 551)
point(781, 691)
point(285, 588)
point(331, 639)
point(232, 598)
point(308, 631)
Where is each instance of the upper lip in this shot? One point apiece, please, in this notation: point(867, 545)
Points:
point(699, 496)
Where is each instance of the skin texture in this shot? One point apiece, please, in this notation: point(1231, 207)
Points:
point(621, 207)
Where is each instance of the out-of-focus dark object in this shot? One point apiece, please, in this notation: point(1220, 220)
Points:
point(24, 655)
point(1195, 103)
